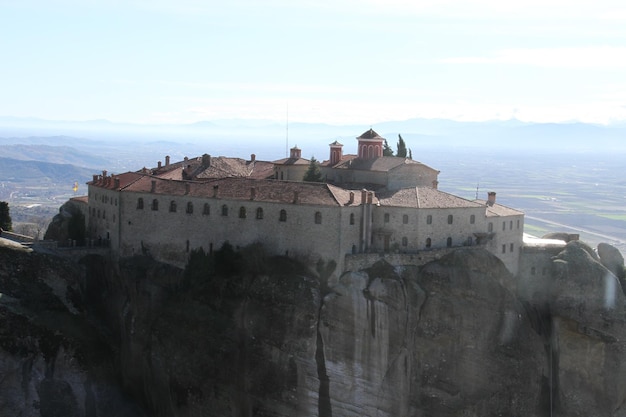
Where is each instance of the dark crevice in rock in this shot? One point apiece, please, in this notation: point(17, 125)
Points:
point(324, 407)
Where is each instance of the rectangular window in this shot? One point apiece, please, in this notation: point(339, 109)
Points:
point(511, 248)
point(503, 248)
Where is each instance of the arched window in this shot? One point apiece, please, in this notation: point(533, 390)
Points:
point(224, 210)
point(282, 216)
point(429, 219)
point(472, 219)
point(449, 242)
point(172, 206)
point(429, 242)
point(189, 207)
point(155, 204)
point(351, 218)
point(405, 241)
point(450, 218)
point(259, 213)
point(318, 217)
point(206, 210)
point(140, 203)
point(405, 219)
point(242, 212)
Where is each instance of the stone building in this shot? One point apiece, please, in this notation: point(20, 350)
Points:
point(368, 204)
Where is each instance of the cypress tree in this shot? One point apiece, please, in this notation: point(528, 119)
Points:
point(387, 151)
point(5, 217)
point(401, 147)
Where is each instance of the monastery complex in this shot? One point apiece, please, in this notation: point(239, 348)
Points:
point(368, 204)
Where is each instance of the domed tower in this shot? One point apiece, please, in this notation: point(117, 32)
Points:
point(370, 145)
point(336, 153)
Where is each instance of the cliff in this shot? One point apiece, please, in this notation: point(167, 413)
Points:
point(244, 334)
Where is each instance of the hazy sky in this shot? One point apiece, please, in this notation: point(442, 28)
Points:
point(341, 61)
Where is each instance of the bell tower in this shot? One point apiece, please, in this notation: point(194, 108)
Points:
point(370, 145)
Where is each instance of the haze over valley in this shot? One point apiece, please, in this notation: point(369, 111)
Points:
point(565, 177)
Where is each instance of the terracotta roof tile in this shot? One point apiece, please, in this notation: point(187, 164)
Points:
point(497, 210)
point(370, 134)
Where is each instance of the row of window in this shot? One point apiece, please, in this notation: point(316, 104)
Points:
point(429, 218)
point(429, 242)
point(282, 216)
point(106, 200)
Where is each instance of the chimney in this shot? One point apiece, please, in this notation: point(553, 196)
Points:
point(186, 159)
point(159, 165)
point(117, 182)
point(370, 197)
point(351, 201)
point(252, 157)
point(153, 186)
point(363, 196)
point(296, 197)
point(216, 191)
point(167, 160)
point(491, 198)
point(187, 188)
point(252, 193)
point(206, 160)
point(95, 178)
point(104, 173)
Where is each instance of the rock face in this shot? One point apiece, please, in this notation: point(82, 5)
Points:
point(241, 334)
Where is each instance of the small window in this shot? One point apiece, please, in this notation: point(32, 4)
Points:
point(429, 220)
point(518, 223)
point(224, 210)
point(116, 202)
point(490, 227)
point(405, 219)
point(155, 204)
point(98, 213)
point(405, 241)
point(104, 214)
point(386, 217)
point(503, 225)
point(259, 213)
point(242, 212)
point(511, 225)
point(429, 242)
point(206, 210)
point(318, 217)
point(533, 271)
point(472, 219)
point(503, 248)
point(282, 216)
point(511, 246)
point(140, 203)
point(351, 218)
point(449, 242)
point(189, 207)
point(172, 206)
point(450, 219)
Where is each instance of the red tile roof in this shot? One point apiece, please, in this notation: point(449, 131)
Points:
point(423, 197)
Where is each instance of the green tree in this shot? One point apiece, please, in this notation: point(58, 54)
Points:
point(401, 152)
point(313, 173)
point(5, 217)
point(410, 154)
point(387, 151)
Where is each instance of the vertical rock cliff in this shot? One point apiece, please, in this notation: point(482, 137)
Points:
point(243, 334)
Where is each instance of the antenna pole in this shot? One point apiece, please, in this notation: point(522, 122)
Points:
point(477, 185)
point(287, 133)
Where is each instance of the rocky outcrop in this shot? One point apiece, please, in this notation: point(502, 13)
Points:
point(242, 334)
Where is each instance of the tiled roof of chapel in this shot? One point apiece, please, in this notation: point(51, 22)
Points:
point(423, 197)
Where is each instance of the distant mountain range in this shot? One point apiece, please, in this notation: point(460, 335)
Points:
point(43, 173)
point(270, 140)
